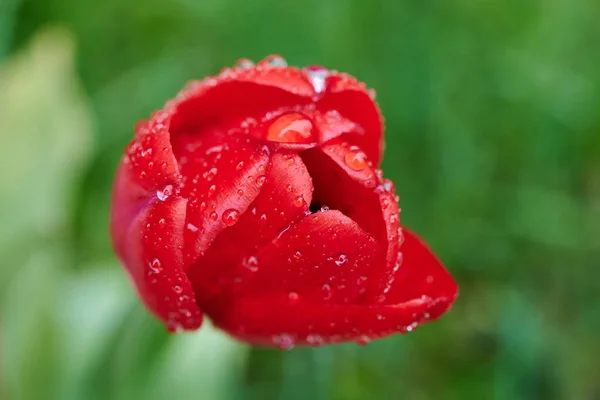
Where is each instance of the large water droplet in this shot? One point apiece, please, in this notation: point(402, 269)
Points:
point(317, 75)
point(164, 193)
point(291, 128)
point(230, 217)
point(356, 160)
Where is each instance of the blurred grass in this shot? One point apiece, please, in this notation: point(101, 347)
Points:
point(493, 140)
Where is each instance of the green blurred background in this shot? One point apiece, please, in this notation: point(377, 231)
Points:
point(493, 139)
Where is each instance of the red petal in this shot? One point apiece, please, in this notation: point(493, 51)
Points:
point(350, 98)
point(345, 181)
point(272, 321)
point(247, 93)
point(283, 200)
point(150, 247)
point(324, 258)
point(421, 274)
point(221, 177)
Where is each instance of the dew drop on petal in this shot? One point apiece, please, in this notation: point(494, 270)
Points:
point(192, 227)
point(288, 188)
point(211, 190)
point(261, 180)
point(327, 291)
point(239, 166)
point(299, 201)
point(244, 63)
point(363, 340)
point(284, 341)
point(213, 216)
point(230, 216)
point(165, 193)
point(177, 288)
point(317, 75)
point(276, 61)
point(341, 259)
point(356, 160)
point(315, 340)
point(155, 265)
point(291, 128)
point(203, 206)
point(294, 298)
point(251, 263)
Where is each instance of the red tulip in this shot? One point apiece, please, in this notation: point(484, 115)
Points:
point(255, 198)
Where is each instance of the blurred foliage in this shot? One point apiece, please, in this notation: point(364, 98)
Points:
point(493, 139)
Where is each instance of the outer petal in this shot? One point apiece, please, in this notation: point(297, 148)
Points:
point(221, 176)
point(150, 247)
point(272, 320)
point(284, 199)
point(344, 94)
point(325, 258)
point(420, 274)
point(247, 93)
point(345, 181)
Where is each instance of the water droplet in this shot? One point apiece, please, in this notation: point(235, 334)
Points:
point(162, 222)
point(429, 279)
point(341, 259)
point(327, 291)
point(317, 75)
point(192, 227)
point(379, 317)
point(385, 203)
point(203, 206)
point(372, 93)
point(155, 266)
point(211, 190)
point(164, 193)
point(276, 61)
point(147, 152)
point(294, 298)
point(297, 255)
point(299, 201)
point(230, 217)
point(315, 340)
point(239, 166)
point(177, 289)
point(324, 208)
point(261, 180)
point(244, 63)
point(356, 160)
point(291, 128)
point(289, 159)
point(240, 192)
point(210, 174)
point(213, 216)
point(263, 218)
point(363, 340)
point(283, 341)
point(251, 263)
point(288, 188)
